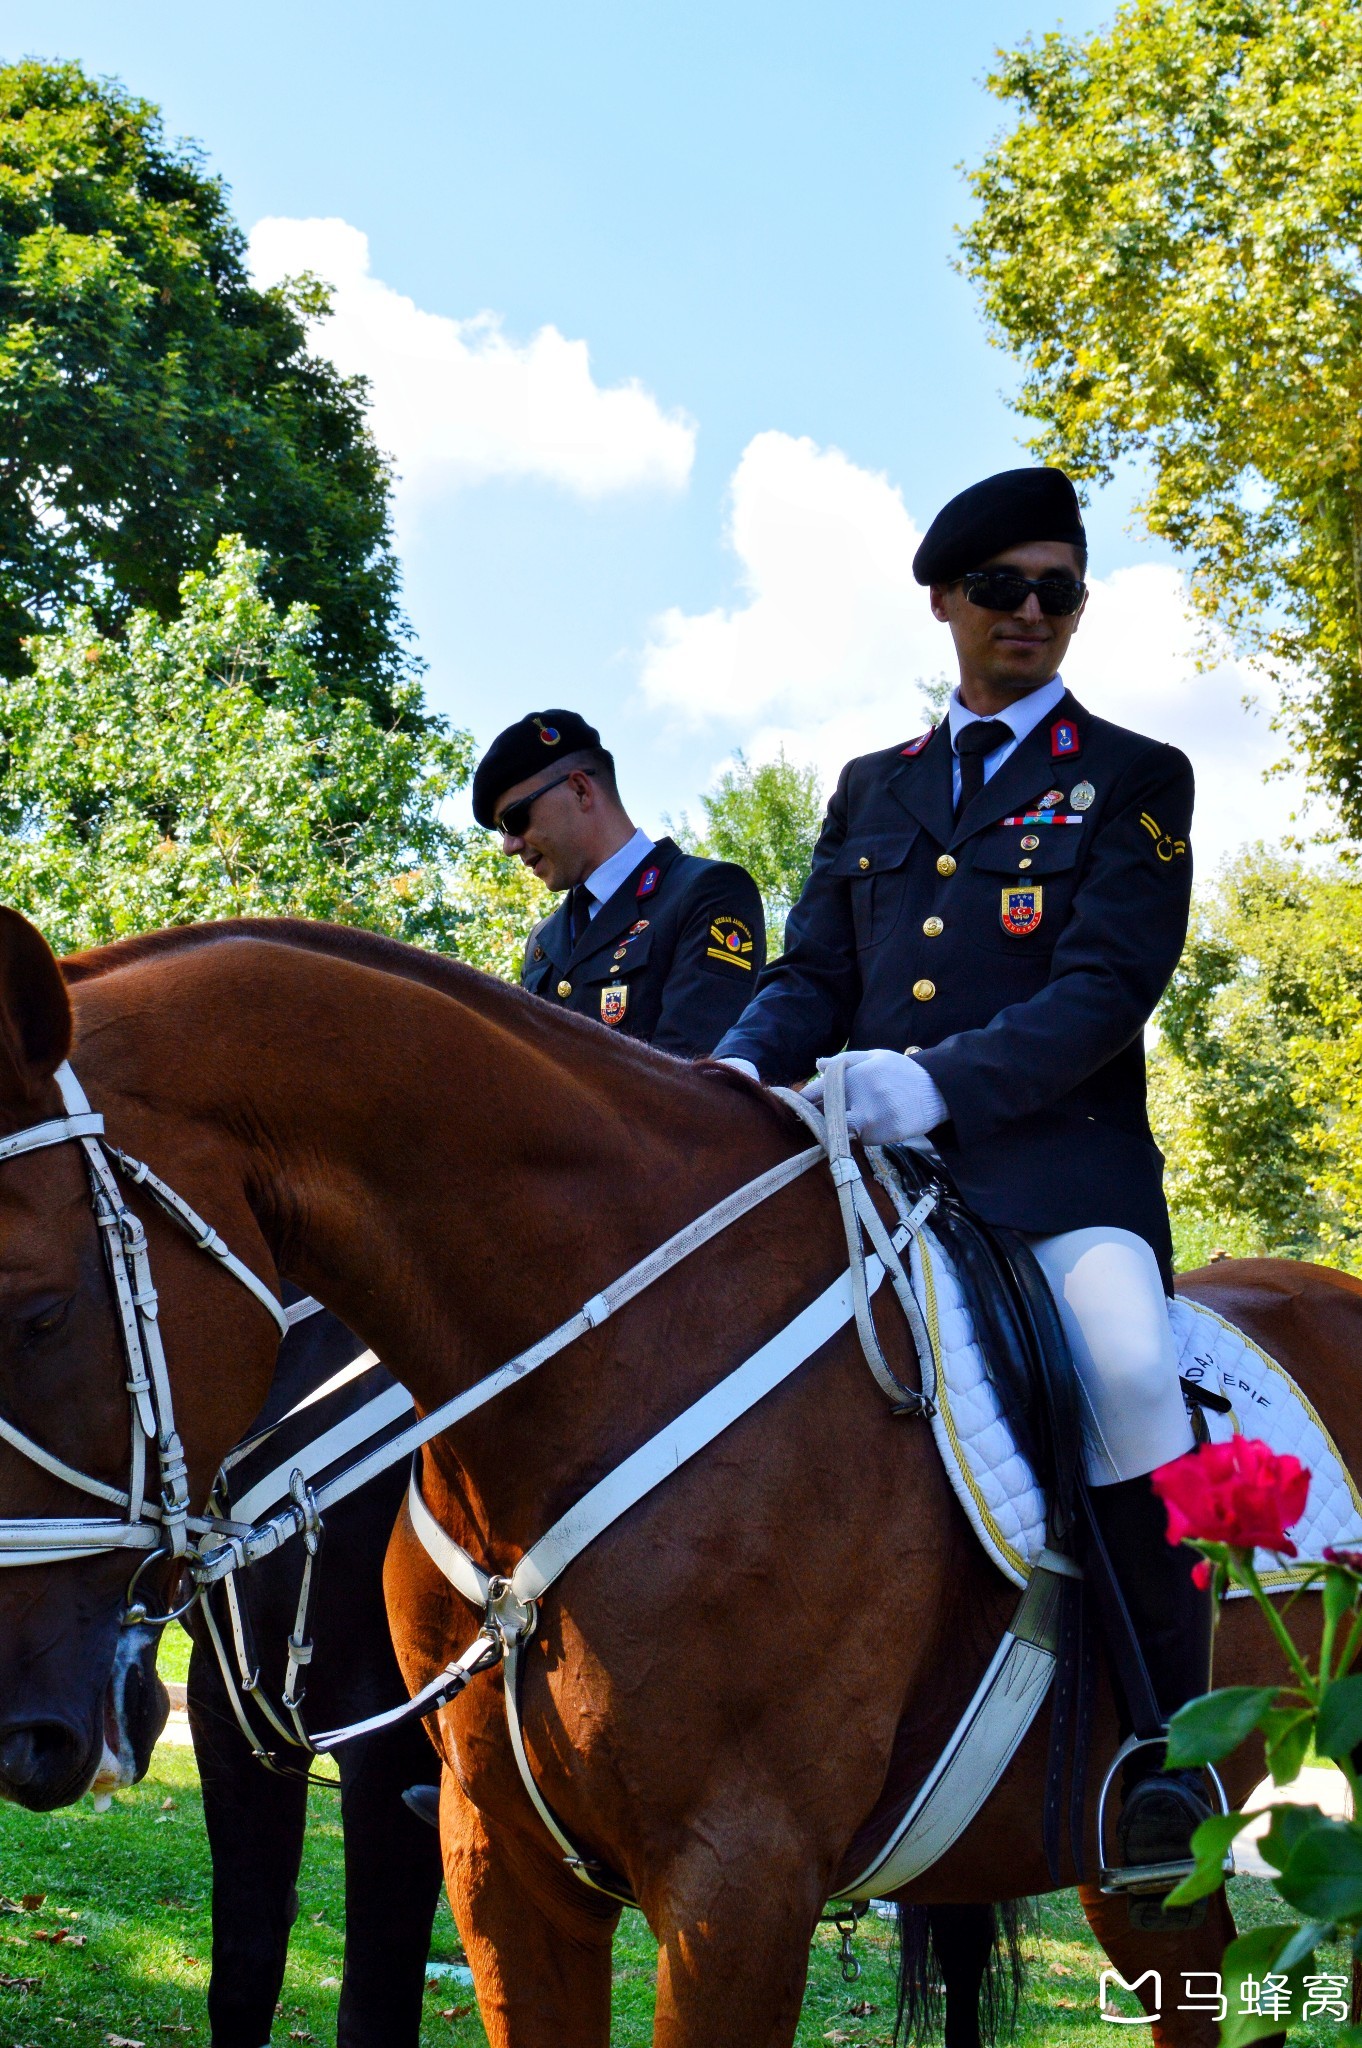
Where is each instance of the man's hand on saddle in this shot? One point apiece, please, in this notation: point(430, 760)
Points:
point(890, 1098)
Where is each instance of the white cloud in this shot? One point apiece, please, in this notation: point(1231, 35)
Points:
point(456, 402)
point(824, 652)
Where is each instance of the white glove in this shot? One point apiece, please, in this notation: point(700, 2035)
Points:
point(743, 1067)
point(890, 1098)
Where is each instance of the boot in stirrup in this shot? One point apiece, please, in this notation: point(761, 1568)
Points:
point(1161, 1809)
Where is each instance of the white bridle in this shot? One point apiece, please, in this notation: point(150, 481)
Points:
point(157, 1526)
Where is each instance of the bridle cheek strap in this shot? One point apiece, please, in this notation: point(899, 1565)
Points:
point(160, 1527)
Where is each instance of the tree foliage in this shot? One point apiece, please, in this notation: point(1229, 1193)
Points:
point(766, 817)
point(1256, 1089)
point(198, 768)
point(1170, 238)
point(152, 400)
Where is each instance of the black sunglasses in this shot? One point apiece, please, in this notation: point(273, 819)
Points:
point(514, 819)
point(1004, 590)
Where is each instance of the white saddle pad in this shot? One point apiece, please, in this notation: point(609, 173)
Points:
point(997, 1488)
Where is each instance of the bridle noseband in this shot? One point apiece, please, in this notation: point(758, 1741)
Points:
point(159, 1526)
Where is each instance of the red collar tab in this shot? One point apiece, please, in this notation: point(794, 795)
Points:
point(1064, 740)
point(648, 881)
point(914, 747)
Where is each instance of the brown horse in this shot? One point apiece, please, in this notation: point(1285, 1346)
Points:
point(732, 1679)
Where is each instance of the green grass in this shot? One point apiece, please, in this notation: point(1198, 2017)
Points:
point(129, 1890)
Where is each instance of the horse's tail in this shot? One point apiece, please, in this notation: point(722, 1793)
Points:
point(969, 1953)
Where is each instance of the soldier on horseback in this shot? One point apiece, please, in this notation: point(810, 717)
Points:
point(650, 941)
point(994, 910)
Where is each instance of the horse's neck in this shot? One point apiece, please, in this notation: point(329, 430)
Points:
point(452, 1177)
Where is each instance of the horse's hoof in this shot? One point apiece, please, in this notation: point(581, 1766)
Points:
point(424, 1802)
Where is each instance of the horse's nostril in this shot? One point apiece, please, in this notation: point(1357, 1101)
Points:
point(19, 1756)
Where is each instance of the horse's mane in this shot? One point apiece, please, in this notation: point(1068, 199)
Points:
point(470, 986)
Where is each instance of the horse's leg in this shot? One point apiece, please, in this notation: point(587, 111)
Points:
point(392, 1887)
point(1190, 1950)
point(734, 1914)
point(963, 1937)
point(255, 1823)
point(537, 1939)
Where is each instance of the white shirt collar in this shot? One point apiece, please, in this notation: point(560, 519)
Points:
point(1023, 716)
point(603, 882)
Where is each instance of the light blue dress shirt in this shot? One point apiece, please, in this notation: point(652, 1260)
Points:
point(601, 885)
point(1023, 717)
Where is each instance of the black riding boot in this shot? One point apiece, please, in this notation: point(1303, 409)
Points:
point(1172, 1620)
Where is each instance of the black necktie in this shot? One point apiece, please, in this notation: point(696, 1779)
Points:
point(579, 912)
point(975, 740)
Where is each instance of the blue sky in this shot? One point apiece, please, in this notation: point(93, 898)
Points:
point(745, 214)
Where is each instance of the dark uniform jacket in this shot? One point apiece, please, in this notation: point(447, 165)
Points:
point(672, 956)
point(1020, 957)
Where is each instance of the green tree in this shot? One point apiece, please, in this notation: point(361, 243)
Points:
point(198, 767)
point(1256, 1083)
point(152, 400)
point(498, 903)
point(1169, 237)
point(765, 817)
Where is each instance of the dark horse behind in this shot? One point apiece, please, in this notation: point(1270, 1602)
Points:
point(255, 1811)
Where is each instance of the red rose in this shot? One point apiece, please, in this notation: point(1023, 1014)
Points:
point(1240, 1493)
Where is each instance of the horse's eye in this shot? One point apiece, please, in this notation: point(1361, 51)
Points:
point(47, 1321)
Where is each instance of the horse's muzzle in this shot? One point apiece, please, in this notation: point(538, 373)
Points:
point(45, 1764)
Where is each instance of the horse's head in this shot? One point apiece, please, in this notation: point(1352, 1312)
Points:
point(63, 1391)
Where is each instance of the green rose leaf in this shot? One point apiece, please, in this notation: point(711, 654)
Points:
point(1323, 1874)
point(1253, 1955)
point(1289, 1825)
point(1287, 1731)
point(1209, 1844)
point(1339, 1728)
point(1305, 1941)
point(1206, 1729)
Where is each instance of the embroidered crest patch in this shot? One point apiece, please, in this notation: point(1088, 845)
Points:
point(731, 940)
point(614, 1002)
point(915, 746)
point(1021, 910)
point(1063, 739)
point(648, 881)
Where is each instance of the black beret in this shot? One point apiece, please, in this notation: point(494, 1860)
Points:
point(1004, 511)
point(522, 750)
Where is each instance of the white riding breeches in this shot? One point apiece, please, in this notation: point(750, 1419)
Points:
point(1109, 1292)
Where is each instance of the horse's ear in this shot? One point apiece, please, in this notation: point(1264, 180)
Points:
point(35, 1011)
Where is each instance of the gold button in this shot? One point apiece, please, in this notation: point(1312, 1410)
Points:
point(1023, 863)
point(864, 862)
point(933, 927)
point(565, 988)
point(945, 864)
point(924, 990)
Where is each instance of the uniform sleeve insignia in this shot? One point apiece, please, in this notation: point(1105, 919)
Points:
point(1021, 910)
point(1165, 845)
point(731, 940)
point(915, 746)
point(549, 734)
point(648, 881)
point(1064, 740)
point(614, 1002)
